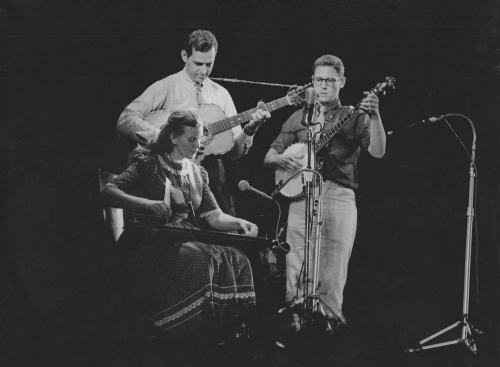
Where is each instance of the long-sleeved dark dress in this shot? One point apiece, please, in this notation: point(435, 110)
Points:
point(183, 287)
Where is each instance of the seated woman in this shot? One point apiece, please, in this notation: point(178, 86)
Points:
point(187, 286)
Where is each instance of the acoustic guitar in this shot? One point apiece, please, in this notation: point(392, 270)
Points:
point(217, 137)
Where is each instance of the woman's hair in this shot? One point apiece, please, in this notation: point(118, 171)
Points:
point(330, 60)
point(161, 143)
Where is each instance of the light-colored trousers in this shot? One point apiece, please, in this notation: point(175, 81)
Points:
point(337, 238)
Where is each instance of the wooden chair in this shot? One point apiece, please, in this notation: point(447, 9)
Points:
point(112, 216)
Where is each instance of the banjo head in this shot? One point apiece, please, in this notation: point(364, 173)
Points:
point(293, 189)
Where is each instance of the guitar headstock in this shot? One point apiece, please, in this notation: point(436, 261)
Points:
point(390, 82)
point(296, 94)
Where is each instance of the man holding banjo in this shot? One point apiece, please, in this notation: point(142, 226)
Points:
point(364, 130)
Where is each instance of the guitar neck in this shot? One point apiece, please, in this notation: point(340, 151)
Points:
point(233, 121)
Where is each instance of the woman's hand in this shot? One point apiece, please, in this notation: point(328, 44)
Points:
point(224, 222)
point(248, 228)
point(159, 208)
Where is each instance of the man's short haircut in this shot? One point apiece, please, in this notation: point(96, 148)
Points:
point(330, 60)
point(200, 40)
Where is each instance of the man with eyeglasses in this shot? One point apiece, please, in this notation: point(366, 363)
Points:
point(363, 131)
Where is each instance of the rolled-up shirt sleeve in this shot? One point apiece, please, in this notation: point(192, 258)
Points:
point(289, 132)
point(242, 144)
point(362, 130)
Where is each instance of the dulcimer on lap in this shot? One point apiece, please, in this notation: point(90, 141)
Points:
point(137, 218)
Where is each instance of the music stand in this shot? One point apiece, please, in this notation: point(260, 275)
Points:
point(466, 329)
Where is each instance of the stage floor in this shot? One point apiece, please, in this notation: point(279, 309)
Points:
point(77, 315)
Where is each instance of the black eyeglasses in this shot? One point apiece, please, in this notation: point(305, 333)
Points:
point(329, 81)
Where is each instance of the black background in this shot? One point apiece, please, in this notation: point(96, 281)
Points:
point(70, 67)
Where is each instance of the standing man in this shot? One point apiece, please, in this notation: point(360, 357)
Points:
point(363, 131)
point(189, 89)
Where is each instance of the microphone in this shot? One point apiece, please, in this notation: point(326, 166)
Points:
point(434, 119)
point(244, 186)
point(430, 109)
point(308, 110)
point(415, 125)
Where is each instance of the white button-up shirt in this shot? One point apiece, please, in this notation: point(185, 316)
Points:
point(178, 92)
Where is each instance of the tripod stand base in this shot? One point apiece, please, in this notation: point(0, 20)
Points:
point(466, 331)
point(309, 312)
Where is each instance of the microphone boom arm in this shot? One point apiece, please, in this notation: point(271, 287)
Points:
point(280, 187)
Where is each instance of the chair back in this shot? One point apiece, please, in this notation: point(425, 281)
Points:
point(112, 216)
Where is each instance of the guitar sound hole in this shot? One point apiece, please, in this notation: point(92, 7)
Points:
point(207, 137)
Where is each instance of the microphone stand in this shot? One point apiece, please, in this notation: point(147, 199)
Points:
point(312, 183)
point(466, 336)
point(307, 183)
point(312, 299)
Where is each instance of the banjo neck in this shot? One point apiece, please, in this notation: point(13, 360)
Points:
point(327, 136)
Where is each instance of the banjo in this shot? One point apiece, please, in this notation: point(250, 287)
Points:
point(217, 135)
point(293, 188)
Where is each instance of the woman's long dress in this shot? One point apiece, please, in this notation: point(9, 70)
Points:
point(188, 286)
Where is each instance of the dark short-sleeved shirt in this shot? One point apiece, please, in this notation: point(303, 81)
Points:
point(341, 153)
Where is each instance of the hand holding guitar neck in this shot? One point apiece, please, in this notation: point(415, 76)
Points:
point(258, 118)
point(217, 135)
